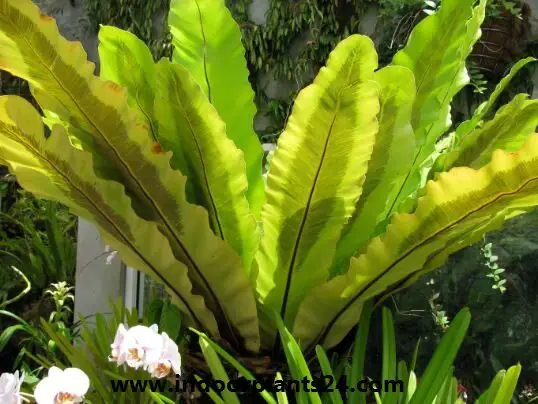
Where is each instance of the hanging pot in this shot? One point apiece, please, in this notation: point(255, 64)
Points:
point(502, 42)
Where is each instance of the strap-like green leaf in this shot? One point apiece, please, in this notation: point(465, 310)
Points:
point(316, 175)
point(358, 357)
point(392, 156)
point(281, 396)
point(436, 53)
point(182, 120)
point(411, 386)
point(213, 395)
point(326, 370)
point(32, 48)
point(127, 61)
point(235, 364)
point(207, 42)
point(296, 362)
point(403, 375)
point(456, 211)
point(191, 128)
point(217, 370)
point(506, 389)
point(488, 396)
point(445, 392)
point(508, 131)
point(440, 366)
point(500, 388)
point(53, 169)
point(389, 359)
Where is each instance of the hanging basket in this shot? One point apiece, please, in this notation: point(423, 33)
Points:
point(502, 42)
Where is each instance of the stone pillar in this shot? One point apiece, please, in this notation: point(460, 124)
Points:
point(72, 22)
point(95, 281)
point(257, 11)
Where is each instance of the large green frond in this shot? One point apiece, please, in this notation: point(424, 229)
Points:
point(436, 53)
point(316, 175)
point(508, 131)
point(127, 61)
point(51, 168)
point(32, 48)
point(191, 128)
point(457, 209)
point(207, 42)
point(392, 157)
point(183, 121)
point(483, 109)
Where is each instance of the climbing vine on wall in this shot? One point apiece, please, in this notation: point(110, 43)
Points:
point(312, 26)
point(239, 9)
point(146, 19)
point(293, 44)
point(290, 46)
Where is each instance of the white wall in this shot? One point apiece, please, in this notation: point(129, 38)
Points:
point(95, 281)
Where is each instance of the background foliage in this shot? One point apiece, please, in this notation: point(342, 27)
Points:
point(296, 39)
point(504, 326)
point(39, 238)
point(143, 18)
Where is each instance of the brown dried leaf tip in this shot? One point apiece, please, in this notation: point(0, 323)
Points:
point(156, 148)
point(45, 17)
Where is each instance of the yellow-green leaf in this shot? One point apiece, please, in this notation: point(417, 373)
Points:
point(127, 61)
point(207, 42)
point(508, 131)
point(392, 157)
point(191, 128)
point(502, 387)
point(457, 209)
point(436, 53)
point(465, 127)
point(316, 175)
point(440, 74)
point(32, 48)
point(508, 386)
point(51, 168)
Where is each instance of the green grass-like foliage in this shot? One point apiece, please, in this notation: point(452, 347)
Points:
point(435, 385)
point(38, 238)
point(96, 334)
point(163, 159)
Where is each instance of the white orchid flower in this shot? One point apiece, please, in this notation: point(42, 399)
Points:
point(10, 388)
point(143, 347)
point(62, 387)
point(116, 346)
point(139, 346)
point(170, 359)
